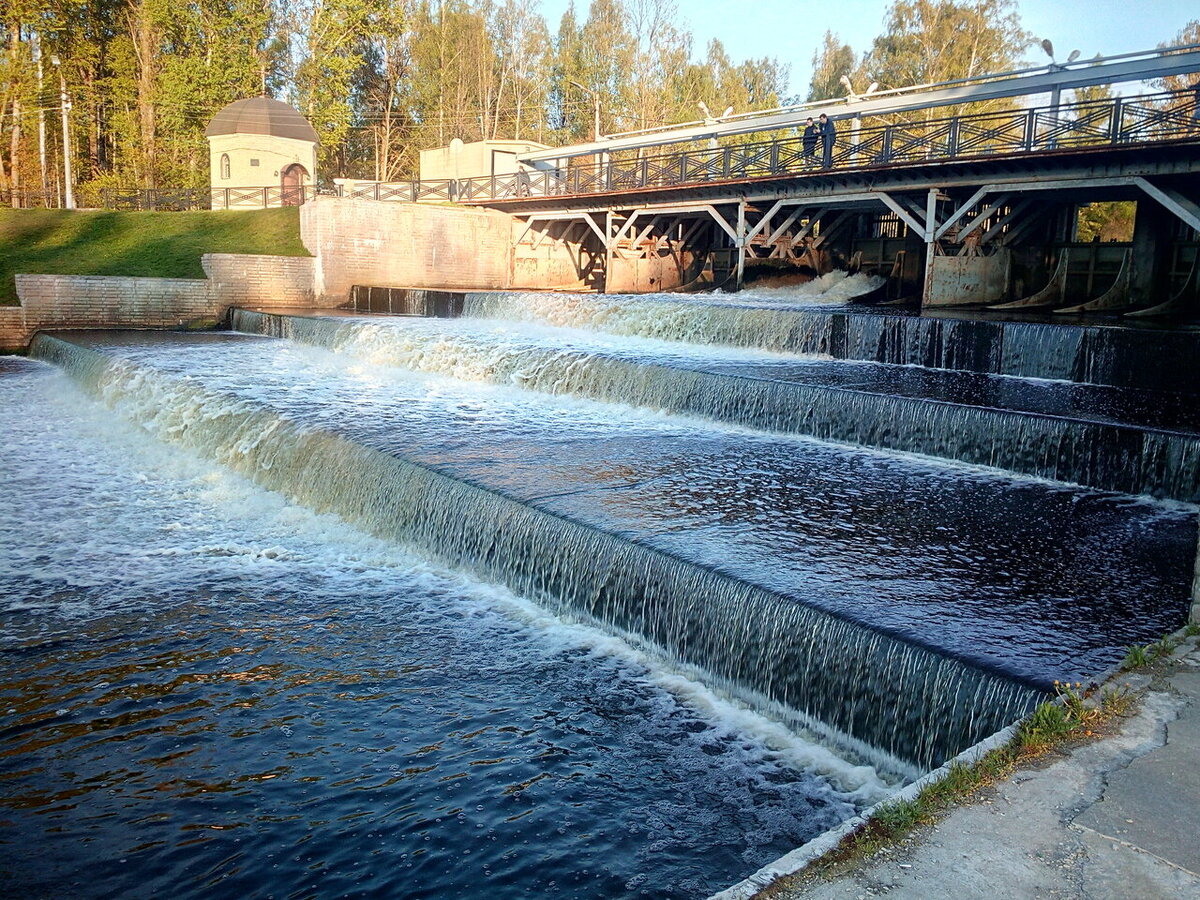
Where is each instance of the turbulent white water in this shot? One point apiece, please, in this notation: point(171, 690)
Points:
point(773, 584)
point(765, 318)
point(834, 288)
point(744, 634)
point(103, 518)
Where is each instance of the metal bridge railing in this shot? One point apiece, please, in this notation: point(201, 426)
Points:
point(168, 199)
point(1145, 119)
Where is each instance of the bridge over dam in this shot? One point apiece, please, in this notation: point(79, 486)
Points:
point(954, 204)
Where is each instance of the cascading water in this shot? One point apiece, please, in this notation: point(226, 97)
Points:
point(890, 609)
point(1096, 354)
point(832, 672)
point(208, 690)
point(589, 510)
point(1087, 435)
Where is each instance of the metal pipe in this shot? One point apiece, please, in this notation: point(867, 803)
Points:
point(1128, 67)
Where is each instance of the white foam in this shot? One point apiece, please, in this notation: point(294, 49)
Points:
point(135, 520)
point(831, 289)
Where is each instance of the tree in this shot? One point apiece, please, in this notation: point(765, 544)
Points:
point(1187, 36)
point(378, 79)
point(380, 95)
point(831, 62)
point(659, 54)
point(522, 45)
point(328, 42)
point(932, 41)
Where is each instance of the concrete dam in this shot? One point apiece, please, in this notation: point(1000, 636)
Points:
point(621, 595)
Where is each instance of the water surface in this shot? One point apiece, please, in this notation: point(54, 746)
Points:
point(209, 691)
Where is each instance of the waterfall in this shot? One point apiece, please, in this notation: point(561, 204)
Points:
point(1099, 454)
point(1094, 355)
point(857, 684)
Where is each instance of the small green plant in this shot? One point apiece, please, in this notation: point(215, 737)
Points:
point(1077, 712)
point(898, 815)
point(1191, 630)
point(959, 779)
point(1047, 724)
point(1115, 701)
point(1137, 656)
point(1164, 646)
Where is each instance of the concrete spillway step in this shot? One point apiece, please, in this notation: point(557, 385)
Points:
point(1146, 357)
point(1129, 440)
point(905, 605)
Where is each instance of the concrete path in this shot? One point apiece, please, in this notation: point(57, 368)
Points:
point(1112, 818)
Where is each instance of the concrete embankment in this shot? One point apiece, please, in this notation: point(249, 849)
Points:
point(1115, 817)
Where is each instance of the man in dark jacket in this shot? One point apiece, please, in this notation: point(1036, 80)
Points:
point(828, 135)
point(811, 133)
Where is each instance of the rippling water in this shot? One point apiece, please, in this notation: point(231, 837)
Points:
point(929, 551)
point(208, 691)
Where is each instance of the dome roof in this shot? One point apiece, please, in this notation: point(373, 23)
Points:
point(261, 115)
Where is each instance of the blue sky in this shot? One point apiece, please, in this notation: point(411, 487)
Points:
point(790, 30)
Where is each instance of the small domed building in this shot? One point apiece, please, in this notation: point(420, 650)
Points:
point(261, 153)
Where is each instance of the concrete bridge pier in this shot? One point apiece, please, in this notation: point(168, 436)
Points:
point(1153, 232)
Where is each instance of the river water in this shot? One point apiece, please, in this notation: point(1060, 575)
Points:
point(211, 691)
point(412, 609)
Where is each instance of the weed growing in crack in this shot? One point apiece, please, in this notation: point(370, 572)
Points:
point(1136, 656)
point(1116, 701)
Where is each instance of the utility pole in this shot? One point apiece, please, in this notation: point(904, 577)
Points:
point(37, 45)
point(68, 189)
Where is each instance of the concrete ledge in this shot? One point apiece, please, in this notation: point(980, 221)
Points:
point(800, 858)
point(107, 301)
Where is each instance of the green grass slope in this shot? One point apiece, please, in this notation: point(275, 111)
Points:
point(158, 244)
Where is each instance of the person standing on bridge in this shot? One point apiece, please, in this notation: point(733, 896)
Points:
point(811, 133)
point(828, 135)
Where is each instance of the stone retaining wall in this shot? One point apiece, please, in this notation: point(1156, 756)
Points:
point(104, 301)
point(412, 245)
point(13, 333)
point(263, 282)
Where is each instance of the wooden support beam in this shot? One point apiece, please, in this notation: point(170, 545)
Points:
point(1181, 206)
point(930, 240)
point(984, 214)
point(813, 219)
point(740, 243)
point(904, 214)
point(829, 229)
point(1016, 210)
point(787, 223)
point(959, 213)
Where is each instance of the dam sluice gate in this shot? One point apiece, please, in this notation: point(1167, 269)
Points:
point(758, 559)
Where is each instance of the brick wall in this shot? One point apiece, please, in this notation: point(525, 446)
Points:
point(13, 333)
point(261, 282)
point(104, 301)
point(414, 245)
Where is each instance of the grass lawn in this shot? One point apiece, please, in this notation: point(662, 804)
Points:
point(161, 244)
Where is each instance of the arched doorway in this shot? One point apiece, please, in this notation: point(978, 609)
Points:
point(293, 181)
